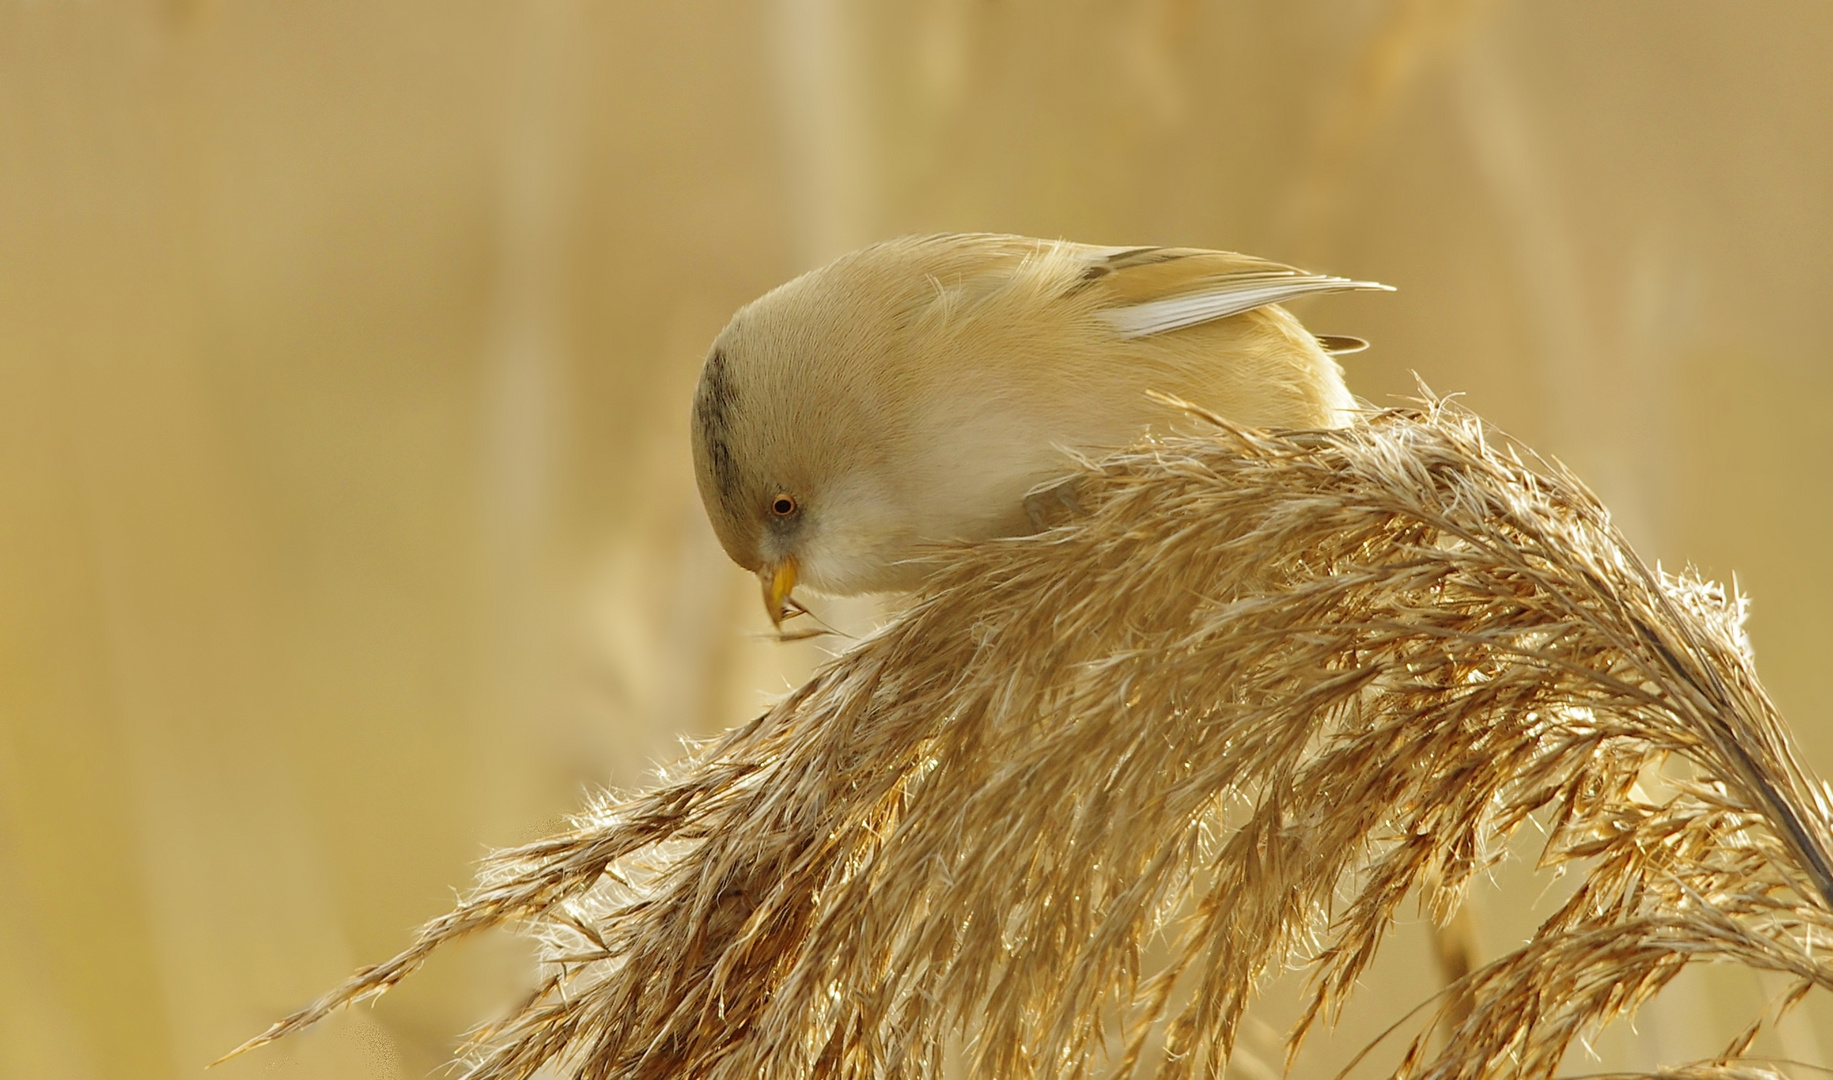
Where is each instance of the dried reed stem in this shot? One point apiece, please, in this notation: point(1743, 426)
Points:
point(1261, 689)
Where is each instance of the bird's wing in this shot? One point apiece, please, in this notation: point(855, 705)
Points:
point(1340, 344)
point(1154, 290)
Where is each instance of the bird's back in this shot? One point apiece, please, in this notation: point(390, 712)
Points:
point(1039, 369)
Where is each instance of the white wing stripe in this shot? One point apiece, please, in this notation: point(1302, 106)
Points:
point(1240, 294)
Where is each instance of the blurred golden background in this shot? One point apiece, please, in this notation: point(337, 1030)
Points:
point(346, 520)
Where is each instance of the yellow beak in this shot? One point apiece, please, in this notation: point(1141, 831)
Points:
point(779, 581)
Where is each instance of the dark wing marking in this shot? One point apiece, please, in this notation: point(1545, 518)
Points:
point(1114, 261)
point(1340, 344)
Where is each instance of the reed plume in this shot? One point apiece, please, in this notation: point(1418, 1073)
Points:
point(1256, 690)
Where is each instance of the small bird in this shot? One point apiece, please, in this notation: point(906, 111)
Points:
point(920, 390)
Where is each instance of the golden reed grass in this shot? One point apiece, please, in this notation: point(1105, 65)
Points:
point(1258, 690)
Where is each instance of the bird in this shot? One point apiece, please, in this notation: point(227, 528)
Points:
point(850, 423)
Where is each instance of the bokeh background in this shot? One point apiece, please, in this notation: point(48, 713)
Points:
point(346, 520)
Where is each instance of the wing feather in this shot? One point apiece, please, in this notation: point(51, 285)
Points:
point(1340, 344)
point(1158, 290)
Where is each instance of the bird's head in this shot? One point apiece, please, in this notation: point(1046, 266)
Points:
point(792, 484)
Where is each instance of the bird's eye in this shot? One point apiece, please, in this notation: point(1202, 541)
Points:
point(783, 506)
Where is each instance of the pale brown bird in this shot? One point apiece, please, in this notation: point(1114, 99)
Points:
point(919, 390)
